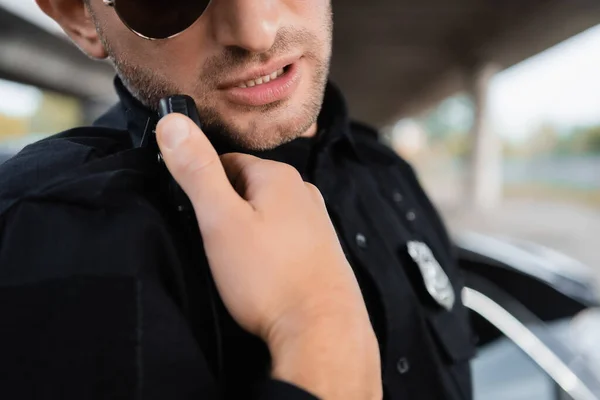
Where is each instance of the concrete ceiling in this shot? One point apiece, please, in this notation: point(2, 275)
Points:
point(391, 57)
point(30, 54)
point(394, 58)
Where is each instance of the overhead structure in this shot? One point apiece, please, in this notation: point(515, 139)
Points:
point(396, 57)
point(30, 54)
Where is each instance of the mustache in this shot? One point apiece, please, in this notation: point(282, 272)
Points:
point(218, 68)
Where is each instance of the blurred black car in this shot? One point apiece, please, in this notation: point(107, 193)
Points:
point(536, 314)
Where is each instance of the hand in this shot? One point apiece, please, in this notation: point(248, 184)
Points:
point(276, 261)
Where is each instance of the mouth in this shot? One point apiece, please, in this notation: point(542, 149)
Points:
point(264, 79)
point(265, 86)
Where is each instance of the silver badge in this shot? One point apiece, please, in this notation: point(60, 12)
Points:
point(436, 281)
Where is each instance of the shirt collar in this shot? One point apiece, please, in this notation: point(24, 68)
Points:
point(131, 115)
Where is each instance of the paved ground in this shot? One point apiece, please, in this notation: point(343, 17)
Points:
point(573, 230)
point(570, 228)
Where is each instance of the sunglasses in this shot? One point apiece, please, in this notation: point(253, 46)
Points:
point(158, 19)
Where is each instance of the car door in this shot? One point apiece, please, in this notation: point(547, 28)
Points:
point(527, 347)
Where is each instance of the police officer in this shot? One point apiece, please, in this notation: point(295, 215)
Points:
point(312, 263)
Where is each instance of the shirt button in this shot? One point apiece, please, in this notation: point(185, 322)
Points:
point(397, 196)
point(402, 366)
point(411, 216)
point(361, 240)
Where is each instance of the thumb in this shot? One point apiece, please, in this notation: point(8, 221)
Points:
point(195, 165)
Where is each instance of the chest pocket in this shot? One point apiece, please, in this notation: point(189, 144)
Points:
point(450, 329)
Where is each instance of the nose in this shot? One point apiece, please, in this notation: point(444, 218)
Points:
point(248, 24)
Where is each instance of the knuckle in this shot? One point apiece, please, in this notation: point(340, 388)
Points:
point(254, 166)
point(312, 188)
point(315, 192)
point(287, 173)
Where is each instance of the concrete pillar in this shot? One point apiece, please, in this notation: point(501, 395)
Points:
point(484, 173)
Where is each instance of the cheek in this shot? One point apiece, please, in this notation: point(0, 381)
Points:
point(160, 59)
point(171, 60)
point(112, 28)
point(314, 16)
point(318, 12)
point(309, 8)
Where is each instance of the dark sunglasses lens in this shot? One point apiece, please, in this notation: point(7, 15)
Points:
point(160, 19)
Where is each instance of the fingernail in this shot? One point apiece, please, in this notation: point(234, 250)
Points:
point(173, 132)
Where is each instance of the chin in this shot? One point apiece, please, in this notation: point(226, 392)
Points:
point(265, 130)
point(259, 138)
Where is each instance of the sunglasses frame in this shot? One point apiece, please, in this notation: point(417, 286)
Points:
point(112, 4)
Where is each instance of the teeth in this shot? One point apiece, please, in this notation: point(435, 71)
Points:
point(262, 79)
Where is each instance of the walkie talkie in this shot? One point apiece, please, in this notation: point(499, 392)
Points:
point(179, 104)
point(185, 105)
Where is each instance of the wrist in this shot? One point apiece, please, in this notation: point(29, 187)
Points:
point(333, 354)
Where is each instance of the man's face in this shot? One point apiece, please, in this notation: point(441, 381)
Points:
point(221, 60)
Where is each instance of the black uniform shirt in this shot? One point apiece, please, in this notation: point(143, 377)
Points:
point(105, 290)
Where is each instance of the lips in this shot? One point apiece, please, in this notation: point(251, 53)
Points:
point(251, 74)
point(265, 86)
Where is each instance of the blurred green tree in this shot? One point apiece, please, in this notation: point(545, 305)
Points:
point(590, 140)
point(453, 116)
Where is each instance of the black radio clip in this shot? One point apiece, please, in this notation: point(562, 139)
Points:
point(185, 105)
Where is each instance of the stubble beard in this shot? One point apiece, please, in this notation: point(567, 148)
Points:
point(148, 86)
